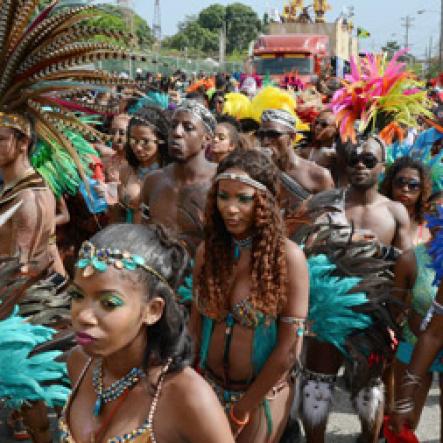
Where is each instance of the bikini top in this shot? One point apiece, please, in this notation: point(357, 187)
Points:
point(143, 434)
point(244, 314)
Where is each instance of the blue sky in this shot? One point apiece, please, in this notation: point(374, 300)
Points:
point(380, 17)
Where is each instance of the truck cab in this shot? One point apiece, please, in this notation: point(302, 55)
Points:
point(280, 55)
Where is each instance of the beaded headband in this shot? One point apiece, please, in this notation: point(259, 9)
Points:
point(241, 178)
point(15, 121)
point(92, 259)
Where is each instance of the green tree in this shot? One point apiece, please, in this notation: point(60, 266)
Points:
point(391, 47)
point(201, 33)
point(212, 17)
point(193, 36)
point(243, 26)
point(114, 17)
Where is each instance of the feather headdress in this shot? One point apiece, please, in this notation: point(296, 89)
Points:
point(376, 93)
point(272, 97)
point(43, 68)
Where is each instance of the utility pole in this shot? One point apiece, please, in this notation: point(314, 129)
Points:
point(430, 56)
point(157, 24)
point(407, 23)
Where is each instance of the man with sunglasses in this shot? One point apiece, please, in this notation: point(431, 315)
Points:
point(277, 133)
point(369, 211)
point(379, 221)
point(320, 143)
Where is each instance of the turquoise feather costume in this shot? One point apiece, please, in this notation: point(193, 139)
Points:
point(29, 370)
point(350, 300)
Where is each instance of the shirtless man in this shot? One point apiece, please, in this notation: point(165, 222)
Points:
point(320, 147)
point(277, 133)
point(375, 218)
point(29, 231)
point(175, 196)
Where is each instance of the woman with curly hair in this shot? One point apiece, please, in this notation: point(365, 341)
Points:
point(146, 150)
point(130, 373)
point(251, 298)
point(408, 181)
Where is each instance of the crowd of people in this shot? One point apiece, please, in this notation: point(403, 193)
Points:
point(195, 259)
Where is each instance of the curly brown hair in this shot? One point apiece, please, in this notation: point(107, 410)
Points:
point(425, 179)
point(268, 267)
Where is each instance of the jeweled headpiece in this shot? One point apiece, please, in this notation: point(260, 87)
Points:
point(92, 259)
point(200, 111)
point(15, 121)
point(241, 178)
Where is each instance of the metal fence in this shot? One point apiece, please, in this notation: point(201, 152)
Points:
point(169, 64)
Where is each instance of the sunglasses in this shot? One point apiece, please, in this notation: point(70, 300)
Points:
point(270, 133)
point(133, 142)
point(368, 160)
point(322, 123)
point(412, 185)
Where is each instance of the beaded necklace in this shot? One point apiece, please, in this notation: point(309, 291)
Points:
point(116, 389)
point(245, 243)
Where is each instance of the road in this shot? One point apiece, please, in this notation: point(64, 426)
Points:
point(343, 425)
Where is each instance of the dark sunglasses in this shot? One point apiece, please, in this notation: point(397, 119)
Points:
point(368, 160)
point(269, 133)
point(322, 123)
point(412, 185)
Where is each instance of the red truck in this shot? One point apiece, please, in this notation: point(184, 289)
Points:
point(279, 55)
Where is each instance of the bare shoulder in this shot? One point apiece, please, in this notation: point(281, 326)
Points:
point(77, 360)
point(398, 210)
point(189, 391)
point(293, 250)
point(30, 202)
point(318, 174)
point(154, 179)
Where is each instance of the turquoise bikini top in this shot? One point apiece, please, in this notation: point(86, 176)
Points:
point(244, 314)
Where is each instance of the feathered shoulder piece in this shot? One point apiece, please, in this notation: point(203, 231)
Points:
point(376, 93)
point(350, 287)
point(44, 62)
point(435, 222)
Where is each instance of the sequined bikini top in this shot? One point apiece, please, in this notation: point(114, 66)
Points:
point(143, 434)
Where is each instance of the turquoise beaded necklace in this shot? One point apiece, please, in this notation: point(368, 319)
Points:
point(116, 389)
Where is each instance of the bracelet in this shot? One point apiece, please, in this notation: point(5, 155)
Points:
point(238, 422)
point(404, 406)
point(410, 379)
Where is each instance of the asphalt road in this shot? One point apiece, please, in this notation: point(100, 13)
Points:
point(343, 425)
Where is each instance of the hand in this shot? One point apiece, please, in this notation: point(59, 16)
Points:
point(363, 235)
